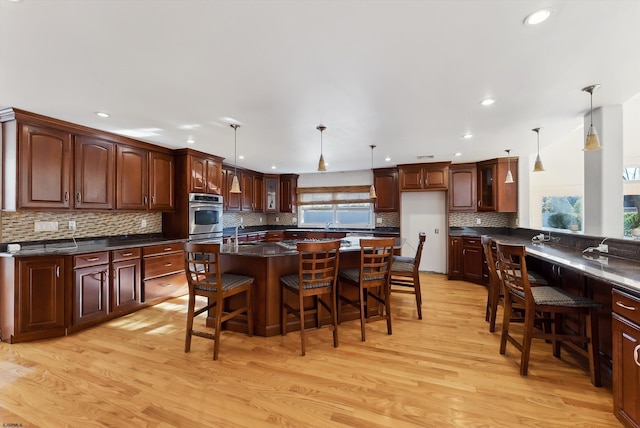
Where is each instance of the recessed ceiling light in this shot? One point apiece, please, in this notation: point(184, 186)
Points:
point(15, 1)
point(191, 141)
point(189, 126)
point(273, 167)
point(487, 101)
point(457, 154)
point(387, 159)
point(240, 156)
point(467, 135)
point(102, 114)
point(537, 17)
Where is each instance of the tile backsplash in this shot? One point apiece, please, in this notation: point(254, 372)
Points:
point(19, 226)
point(486, 219)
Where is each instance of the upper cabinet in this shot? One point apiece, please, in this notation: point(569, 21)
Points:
point(205, 173)
point(52, 164)
point(288, 193)
point(462, 187)
point(385, 181)
point(493, 193)
point(95, 164)
point(272, 193)
point(427, 176)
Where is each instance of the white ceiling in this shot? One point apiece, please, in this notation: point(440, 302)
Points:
point(407, 76)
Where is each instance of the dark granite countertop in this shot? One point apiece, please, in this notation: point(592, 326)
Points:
point(230, 231)
point(67, 247)
point(622, 272)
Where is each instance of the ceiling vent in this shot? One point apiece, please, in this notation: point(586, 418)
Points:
point(425, 156)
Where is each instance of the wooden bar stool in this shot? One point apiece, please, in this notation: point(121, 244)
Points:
point(405, 274)
point(202, 267)
point(317, 275)
point(519, 294)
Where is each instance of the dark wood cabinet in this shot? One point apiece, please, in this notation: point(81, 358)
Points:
point(232, 201)
point(463, 187)
point(626, 358)
point(472, 260)
point(44, 167)
point(163, 272)
point(420, 177)
point(90, 288)
point(246, 185)
point(95, 166)
point(132, 178)
point(161, 181)
point(272, 193)
point(205, 173)
point(258, 194)
point(493, 193)
point(455, 257)
point(33, 298)
point(126, 279)
point(385, 181)
point(288, 193)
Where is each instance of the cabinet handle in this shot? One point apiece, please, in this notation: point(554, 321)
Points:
point(636, 355)
point(464, 251)
point(78, 197)
point(144, 200)
point(622, 305)
point(472, 242)
point(479, 203)
point(153, 199)
point(58, 271)
point(168, 264)
point(92, 259)
point(127, 254)
point(66, 196)
point(168, 249)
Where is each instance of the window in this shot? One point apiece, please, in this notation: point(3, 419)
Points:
point(562, 212)
point(338, 207)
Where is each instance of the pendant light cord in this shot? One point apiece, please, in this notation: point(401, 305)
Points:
point(235, 148)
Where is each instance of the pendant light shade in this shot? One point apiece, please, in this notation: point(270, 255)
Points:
point(321, 164)
point(235, 185)
point(592, 142)
point(537, 167)
point(372, 189)
point(509, 178)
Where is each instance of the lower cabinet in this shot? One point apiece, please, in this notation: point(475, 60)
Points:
point(126, 279)
point(90, 288)
point(455, 257)
point(163, 272)
point(466, 260)
point(33, 296)
point(626, 358)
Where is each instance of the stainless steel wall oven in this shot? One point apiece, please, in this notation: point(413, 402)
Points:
point(205, 217)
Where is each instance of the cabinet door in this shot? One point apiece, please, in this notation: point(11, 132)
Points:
point(132, 172)
point(487, 187)
point(41, 304)
point(258, 194)
point(435, 178)
point(288, 193)
point(44, 168)
point(95, 165)
point(214, 176)
point(126, 284)
point(246, 185)
point(198, 175)
point(455, 258)
point(626, 371)
point(161, 181)
point(272, 196)
point(90, 294)
point(386, 184)
point(233, 201)
point(411, 177)
point(472, 260)
point(462, 189)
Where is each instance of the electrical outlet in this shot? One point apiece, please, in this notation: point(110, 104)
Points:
point(478, 221)
point(379, 220)
point(72, 225)
point(437, 231)
point(260, 219)
point(143, 223)
point(603, 248)
point(241, 220)
point(294, 220)
point(45, 226)
point(277, 219)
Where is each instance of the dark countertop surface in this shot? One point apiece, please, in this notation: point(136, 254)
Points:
point(66, 248)
point(622, 272)
point(230, 231)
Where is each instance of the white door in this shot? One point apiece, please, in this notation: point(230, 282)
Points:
point(425, 212)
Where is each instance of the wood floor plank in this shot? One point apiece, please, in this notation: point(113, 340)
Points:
point(442, 371)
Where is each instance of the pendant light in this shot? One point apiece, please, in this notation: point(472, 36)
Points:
point(321, 165)
point(372, 189)
point(592, 142)
point(509, 178)
point(537, 167)
point(235, 185)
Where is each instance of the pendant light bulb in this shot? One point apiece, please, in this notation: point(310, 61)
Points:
point(235, 185)
point(592, 141)
point(321, 165)
point(509, 178)
point(372, 189)
point(537, 167)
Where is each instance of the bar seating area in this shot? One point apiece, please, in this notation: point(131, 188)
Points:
point(405, 274)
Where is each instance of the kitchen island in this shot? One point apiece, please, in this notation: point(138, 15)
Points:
point(266, 262)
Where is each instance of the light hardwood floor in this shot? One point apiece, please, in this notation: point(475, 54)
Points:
point(443, 371)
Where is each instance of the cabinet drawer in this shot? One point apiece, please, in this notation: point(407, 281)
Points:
point(167, 286)
point(153, 250)
point(91, 259)
point(627, 306)
point(126, 254)
point(163, 265)
point(471, 242)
